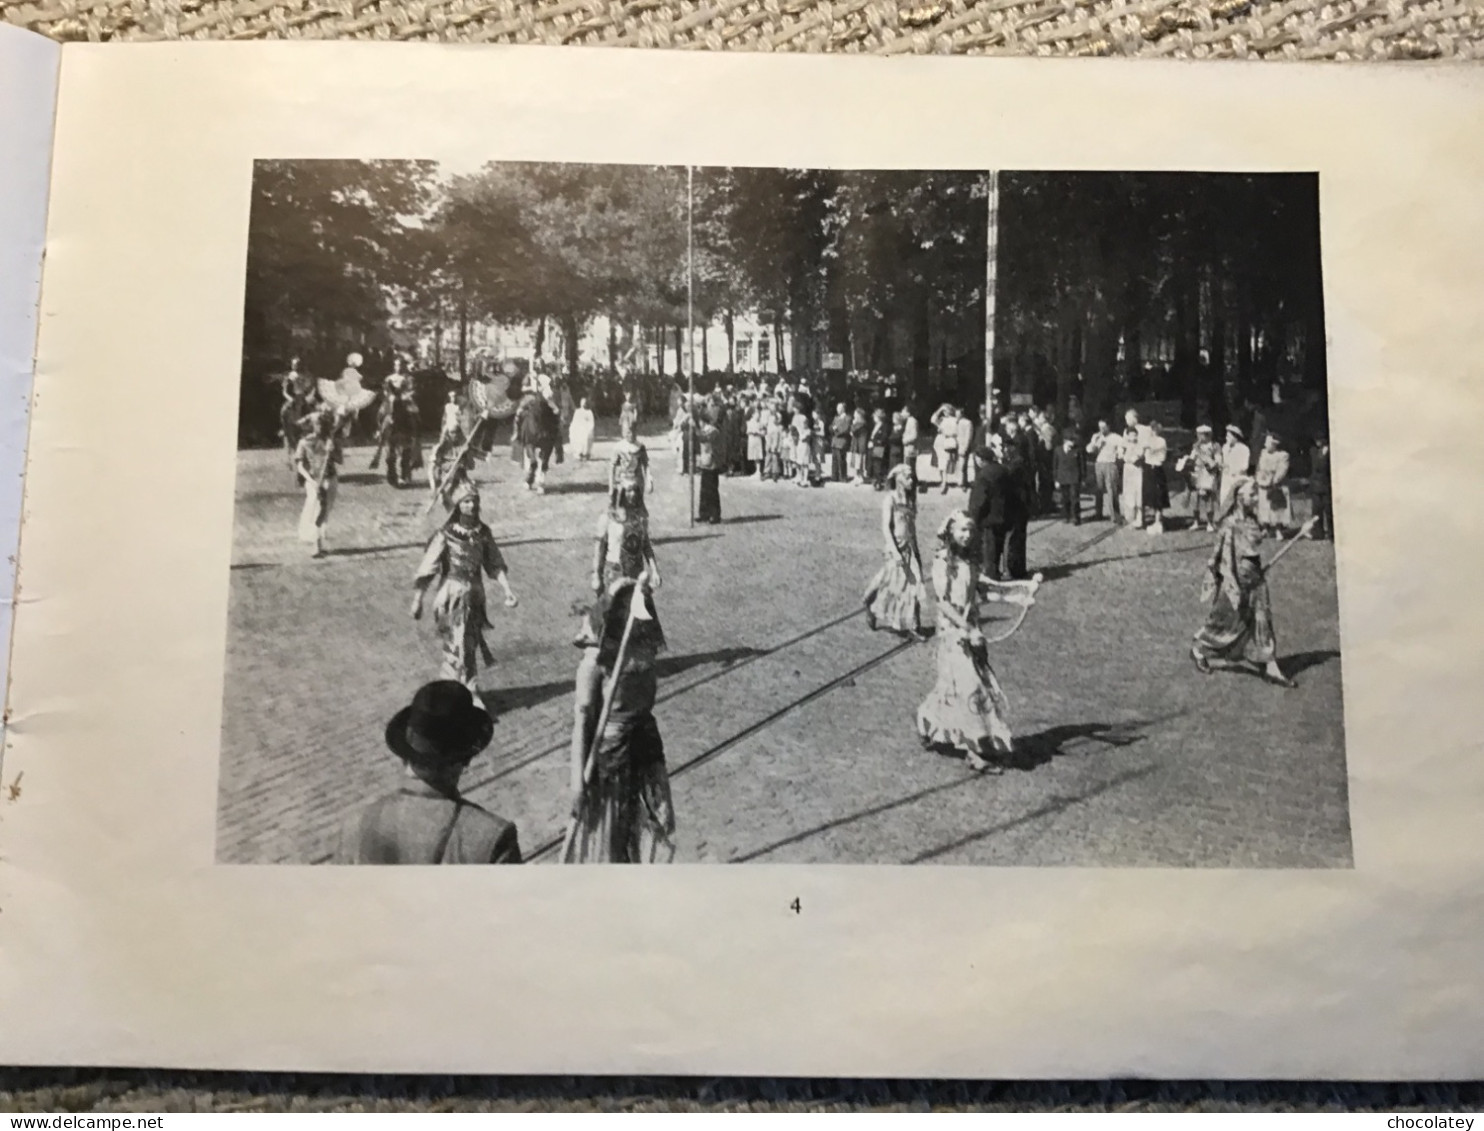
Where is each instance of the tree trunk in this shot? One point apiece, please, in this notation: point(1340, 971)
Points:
point(1066, 374)
point(612, 349)
point(731, 326)
point(659, 349)
point(705, 351)
point(1187, 346)
point(570, 331)
point(463, 340)
point(780, 363)
point(921, 348)
point(680, 361)
point(540, 346)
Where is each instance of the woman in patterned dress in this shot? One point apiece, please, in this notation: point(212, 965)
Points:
point(458, 556)
point(894, 598)
point(966, 711)
point(622, 812)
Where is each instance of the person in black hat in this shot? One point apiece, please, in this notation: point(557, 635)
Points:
point(427, 821)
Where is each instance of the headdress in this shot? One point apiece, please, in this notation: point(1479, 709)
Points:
point(442, 727)
point(605, 621)
point(1233, 430)
point(1206, 428)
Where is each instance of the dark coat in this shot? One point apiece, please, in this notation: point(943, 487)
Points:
point(419, 825)
point(988, 498)
point(1319, 472)
point(1068, 467)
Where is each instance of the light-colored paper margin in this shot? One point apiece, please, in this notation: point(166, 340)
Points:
point(29, 66)
point(123, 943)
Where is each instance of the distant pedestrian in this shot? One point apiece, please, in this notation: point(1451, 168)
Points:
point(860, 437)
point(839, 444)
point(879, 449)
point(708, 506)
point(1321, 498)
point(1131, 455)
point(775, 441)
point(1156, 486)
point(988, 506)
point(1273, 513)
point(1107, 448)
point(1236, 459)
point(1067, 471)
point(1202, 468)
point(580, 433)
point(427, 820)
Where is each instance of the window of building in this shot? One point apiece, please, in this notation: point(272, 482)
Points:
point(744, 353)
point(764, 351)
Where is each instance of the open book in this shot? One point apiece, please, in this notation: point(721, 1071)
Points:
point(1019, 511)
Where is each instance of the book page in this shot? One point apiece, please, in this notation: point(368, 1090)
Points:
point(28, 88)
point(1016, 512)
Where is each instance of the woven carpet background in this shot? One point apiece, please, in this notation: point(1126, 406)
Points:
point(1282, 29)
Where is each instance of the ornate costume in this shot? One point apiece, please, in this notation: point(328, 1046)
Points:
point(966, 710)
point(315, 460)
point(458, 556)
point(1239, 626)
point(398, 430)
point(894, 597)
point(624, 813)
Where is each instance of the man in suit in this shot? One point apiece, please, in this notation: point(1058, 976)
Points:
point(987, 506)
point(427, 820)
point(1020, 493)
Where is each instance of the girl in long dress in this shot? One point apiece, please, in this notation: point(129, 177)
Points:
point(894, 598)
point(622, 812)
point(966, 710)
point(457, 559)
point(580, 433)
point(315, 460)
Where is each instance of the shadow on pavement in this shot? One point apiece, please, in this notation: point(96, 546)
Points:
point(873, 811)
point(1066, 569)
point(745, 518)
point(1303, 661)
point(1032, 750)
point(508, 699)
point(576, 488)
point(1051, 808)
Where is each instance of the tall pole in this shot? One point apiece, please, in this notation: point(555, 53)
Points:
point(690, 326)
point(991, 269)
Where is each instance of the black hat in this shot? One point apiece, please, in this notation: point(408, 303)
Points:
point(443, 726)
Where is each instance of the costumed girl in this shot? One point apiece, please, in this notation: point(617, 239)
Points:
point(580, 431)
point(1238, 632)
point(458, 556)
point(623, 547)
point(966, 711)
point(315, 460)
point(621, 812)
point(895, 596)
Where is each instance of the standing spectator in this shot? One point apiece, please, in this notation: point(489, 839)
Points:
point(1045, 449)
point(1321, 500)
point(860, 435)
point(803, 429)
point(1203, 469)
point(1068, 473)
point(945, 445)
point(1107, 447)
point(987, 506)
point(909, 437)
point(757, 431)
point(775, 439)
point(1156, 487)
point(839, 444)
point(1272, 489)
point(1235, 460)
point(963, 427)
point(822, 449)
point(708, 509)
point(680, 435)
point(1131, 454)
point(894, 449)
point(1019, 491)
point(878, 449)
point(427, 820)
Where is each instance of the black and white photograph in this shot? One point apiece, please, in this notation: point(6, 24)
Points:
point(651, 514)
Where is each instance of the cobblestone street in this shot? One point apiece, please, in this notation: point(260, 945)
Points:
point(788, 724)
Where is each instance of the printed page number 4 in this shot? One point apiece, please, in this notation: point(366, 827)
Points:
point(796, 906)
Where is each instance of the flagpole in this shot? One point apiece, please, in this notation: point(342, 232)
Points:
point(690, 326)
